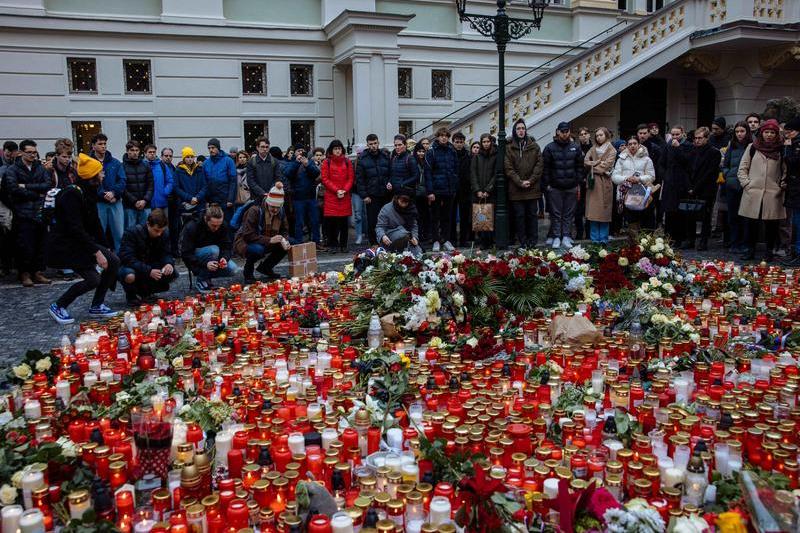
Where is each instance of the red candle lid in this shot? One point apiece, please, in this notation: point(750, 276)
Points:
point(519, 430)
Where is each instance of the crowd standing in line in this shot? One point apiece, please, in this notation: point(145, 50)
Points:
point(110, 221)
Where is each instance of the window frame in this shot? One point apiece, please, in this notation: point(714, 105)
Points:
point(72, 89)
point(449, 96)
point(264, 132)
point(125, 62)
point(313, 132)
point(137, 122)
point(310, 81)
point(76, 137)
point(265, 88)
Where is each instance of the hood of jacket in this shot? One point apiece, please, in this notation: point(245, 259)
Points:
point(640, 153)
point(189, 170)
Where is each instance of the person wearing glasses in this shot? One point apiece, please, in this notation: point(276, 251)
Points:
point(26, 182)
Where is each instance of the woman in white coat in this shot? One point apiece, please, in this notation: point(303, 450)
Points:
point(634, 166)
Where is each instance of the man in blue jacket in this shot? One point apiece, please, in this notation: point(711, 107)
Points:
point(221, 178)
point(442, 185)
point(163, 179)
point(302, 176)
point(110, 191)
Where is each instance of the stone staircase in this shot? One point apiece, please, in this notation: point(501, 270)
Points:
point(584, 81)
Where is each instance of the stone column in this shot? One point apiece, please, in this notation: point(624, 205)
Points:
point(362, 97)
point(391, 101)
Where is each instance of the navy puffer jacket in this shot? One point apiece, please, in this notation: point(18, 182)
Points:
point(442, 180)
point(138, 182)
point(404, 171)
point(372, 174)
point(563, 165)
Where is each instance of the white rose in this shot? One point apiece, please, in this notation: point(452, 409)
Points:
point(22, 371)
point(43, 364)
point(653, 249)
point(551, 256)
point(177, 362)
point(16, 479)
point(645, 286)
point(623, 261)
point(603, 253)
point(8, 495)
point(436, 343)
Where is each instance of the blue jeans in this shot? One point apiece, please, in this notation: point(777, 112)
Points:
point(598, 231)
point(306, 209)
point(359, 215)
point(112, 219)
point(211, 253)
point(134, 216)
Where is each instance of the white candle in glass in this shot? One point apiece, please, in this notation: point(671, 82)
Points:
point(32, 521)
point(314, 410)
point(722, 457)
point(682, 390)
point(439, 511)
point(672, 477)
point(394, 462)
point(107, 375)
point(11, 515)
point(328, 435)
point(223, 444)
point(551, 488)
point(62, 391)
point(414, 526)
point(33, 409)
point(394, 438)
point(341, 523)
point(597, 381)
point(145, 526)
point(89, 379)
point(664, 463)
point(297, 443)
point(30, 482)
point(95, 365)
point(681, 456)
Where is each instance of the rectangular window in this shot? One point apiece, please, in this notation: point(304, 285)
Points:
point(405, 127)
point(82, 72)
point(137, 76)
point(143, 131)
point(254, 78)
point(301, 80)
point(302, 132)
point(441, 84)
point(82, 133)
point(405, 79)
point(253, 129)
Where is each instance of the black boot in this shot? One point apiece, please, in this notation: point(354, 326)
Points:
point(249, 266)
point(266, 269)
point(702, 245)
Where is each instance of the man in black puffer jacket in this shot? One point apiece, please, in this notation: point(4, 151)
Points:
point(562, 175)
point(372, 181)
point(25, 184)
point(138, 185)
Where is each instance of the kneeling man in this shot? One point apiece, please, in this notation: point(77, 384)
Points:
point(147, 263)
point(263, 236)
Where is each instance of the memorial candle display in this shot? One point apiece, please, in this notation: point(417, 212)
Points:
point(637, 388)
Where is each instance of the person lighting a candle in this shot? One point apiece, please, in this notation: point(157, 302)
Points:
point(263, 236)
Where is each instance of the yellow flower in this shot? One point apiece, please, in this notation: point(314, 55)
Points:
point(22, 371)
point(730, 522)
point(43, 364)
point(405, 360)
point(8, 495)
point(340, 276)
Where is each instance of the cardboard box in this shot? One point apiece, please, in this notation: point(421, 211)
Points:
point(303, 260)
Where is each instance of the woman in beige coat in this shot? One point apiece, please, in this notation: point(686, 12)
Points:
point(761, 174)
point(600, 190)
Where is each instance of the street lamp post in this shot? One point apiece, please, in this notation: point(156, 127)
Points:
point(502, 29)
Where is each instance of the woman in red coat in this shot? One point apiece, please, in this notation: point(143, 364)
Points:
point(337, 178)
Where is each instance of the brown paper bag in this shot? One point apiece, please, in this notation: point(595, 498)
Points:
point(573, 330)
point(482, 217)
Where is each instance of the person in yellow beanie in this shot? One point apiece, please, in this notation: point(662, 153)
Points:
point(77, 242)
point(190, 183)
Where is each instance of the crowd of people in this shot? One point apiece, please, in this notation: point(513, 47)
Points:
point(125, 221)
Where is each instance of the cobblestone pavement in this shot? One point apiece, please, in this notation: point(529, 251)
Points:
point(25, 323)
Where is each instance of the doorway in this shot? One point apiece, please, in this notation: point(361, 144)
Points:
point(643, 102)
point(706, 103)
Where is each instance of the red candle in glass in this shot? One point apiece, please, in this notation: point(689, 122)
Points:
point(235, 463)
point(77, 431)
point(319, 524)
point(373, 440)
point(237, 514)
point(124, 499)
point(349, 438)
point(282, 456)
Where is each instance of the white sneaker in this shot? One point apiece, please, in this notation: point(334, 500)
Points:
point(566, 243)
point(359, 239)
point(436, 246)
point(448, 247)
point(556, 243)
point(549, 241)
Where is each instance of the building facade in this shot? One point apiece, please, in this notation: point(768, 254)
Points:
point(176, 72)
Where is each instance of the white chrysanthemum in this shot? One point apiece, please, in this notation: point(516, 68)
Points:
point(458, 299)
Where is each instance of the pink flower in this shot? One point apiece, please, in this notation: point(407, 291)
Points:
point(600, 501)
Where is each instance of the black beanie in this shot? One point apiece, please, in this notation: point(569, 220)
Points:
point(215, 142)
point(721, 122)
point(793, 124)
